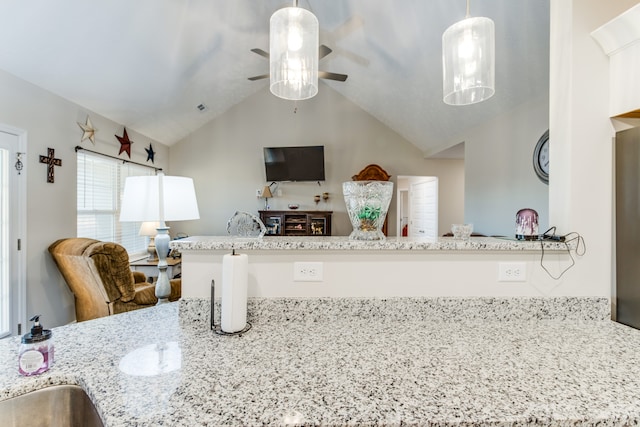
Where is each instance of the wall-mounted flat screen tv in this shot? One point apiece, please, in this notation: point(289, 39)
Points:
point(294, 163)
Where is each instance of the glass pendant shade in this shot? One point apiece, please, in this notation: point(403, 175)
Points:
point(468, 61)
point(293, 53)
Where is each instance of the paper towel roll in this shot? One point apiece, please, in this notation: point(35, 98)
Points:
point(235, 275)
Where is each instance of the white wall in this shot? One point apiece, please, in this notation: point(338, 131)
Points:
point(225, 159)
point(499, 174)
point(387, 274)
point(50, 121)
point(581, 144)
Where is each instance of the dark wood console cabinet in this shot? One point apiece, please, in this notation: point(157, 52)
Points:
point(297, 223)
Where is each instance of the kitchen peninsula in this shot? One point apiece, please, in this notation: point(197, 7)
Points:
point(397, 266)
point(334, 362)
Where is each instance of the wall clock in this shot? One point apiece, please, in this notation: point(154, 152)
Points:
point(541, 158)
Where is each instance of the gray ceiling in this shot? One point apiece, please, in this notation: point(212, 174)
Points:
point(148, 63)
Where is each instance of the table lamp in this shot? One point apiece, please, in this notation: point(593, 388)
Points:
point(159, 198)
point(266, 194)
point(150, 229)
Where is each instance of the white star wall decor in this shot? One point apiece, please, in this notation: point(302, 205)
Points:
point(88, 131)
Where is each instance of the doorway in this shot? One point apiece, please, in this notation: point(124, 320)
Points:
point(417, 206)
point(12, 231)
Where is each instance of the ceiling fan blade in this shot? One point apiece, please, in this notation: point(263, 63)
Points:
point(323, 51)
point(260, 52)
point(347, 27)
point(332, 76)
point(260, 77)
point(358, 59)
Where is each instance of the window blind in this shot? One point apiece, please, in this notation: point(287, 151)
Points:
point(100, 186)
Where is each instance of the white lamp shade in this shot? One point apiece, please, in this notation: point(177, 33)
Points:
point(149, 228)
point(468, 61)
point(140, 200)
point(293, 53)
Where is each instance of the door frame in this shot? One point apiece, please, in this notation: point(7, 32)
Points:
point(18, 231)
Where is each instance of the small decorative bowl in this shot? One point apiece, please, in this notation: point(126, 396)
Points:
point(293, 206)
point(461, 231)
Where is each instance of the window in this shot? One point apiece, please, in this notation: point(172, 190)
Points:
point(100, 186)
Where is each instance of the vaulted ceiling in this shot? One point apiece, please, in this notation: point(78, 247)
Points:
point(148, 64)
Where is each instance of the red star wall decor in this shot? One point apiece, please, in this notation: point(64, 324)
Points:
point(125, 143)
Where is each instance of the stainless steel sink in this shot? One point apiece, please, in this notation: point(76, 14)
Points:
point(60, 406)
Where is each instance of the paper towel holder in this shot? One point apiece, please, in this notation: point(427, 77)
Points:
point(218, 328)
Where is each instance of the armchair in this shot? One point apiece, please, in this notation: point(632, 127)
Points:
point(99, 276)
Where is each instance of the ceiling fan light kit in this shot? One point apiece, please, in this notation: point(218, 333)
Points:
point(293, 53)
point(468, 61)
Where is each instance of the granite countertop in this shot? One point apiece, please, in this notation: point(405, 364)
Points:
point(450, 362)
point(342, 243)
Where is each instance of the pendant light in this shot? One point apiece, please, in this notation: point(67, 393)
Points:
point(468, 61)
point(293, 53)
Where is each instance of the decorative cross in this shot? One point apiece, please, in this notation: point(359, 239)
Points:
point(51, 161)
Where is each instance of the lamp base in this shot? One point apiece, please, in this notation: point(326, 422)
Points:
point(151, 249)
point(163, 287)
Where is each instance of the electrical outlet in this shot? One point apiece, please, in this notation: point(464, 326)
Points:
point(307, 272)
point(258, 193)
point(512, 272)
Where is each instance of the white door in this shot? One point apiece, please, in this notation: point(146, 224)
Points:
point(12, 230)
point(423, 207)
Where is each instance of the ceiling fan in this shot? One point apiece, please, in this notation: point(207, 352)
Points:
point(322, 52)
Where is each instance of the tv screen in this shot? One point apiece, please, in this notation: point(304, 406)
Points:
point(294, 163)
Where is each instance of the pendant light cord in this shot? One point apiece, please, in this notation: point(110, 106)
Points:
point(468, 14)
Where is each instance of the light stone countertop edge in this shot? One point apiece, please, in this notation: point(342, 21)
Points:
point(343, 243)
